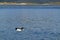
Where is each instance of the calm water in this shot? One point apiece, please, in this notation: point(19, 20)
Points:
point(40, 23)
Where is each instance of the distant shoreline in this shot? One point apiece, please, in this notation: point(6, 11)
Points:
point(14, 3)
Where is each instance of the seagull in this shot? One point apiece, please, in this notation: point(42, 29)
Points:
point(19, 29)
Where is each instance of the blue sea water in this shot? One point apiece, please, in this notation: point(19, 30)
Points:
point(39, 22)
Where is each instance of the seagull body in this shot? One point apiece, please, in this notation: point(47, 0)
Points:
point(19, 29)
